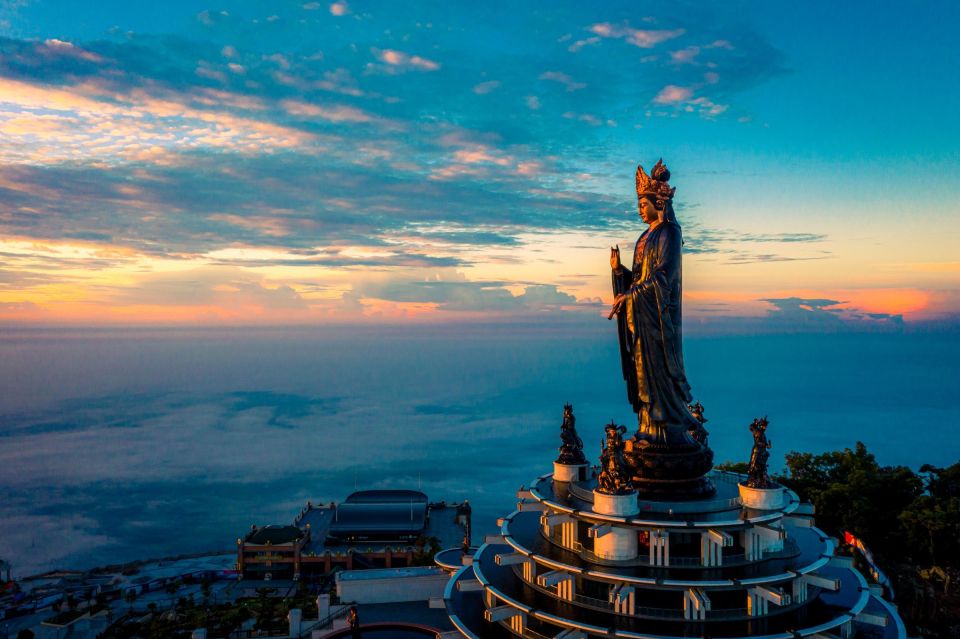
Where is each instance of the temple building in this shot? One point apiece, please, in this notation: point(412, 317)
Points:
point(576, 561)
point(370, 529)
point(654, 543)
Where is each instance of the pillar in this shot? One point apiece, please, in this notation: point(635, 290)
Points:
point(569, 472)
point(759, 599)
point(659, 548)
point(623, 599)
point(712, 543)
point(798, 589)
point(516, 618)
point(621, 541)
point(565, 583)
point(695, 604)
point(295, 618)
point(752, 545)
point(568, 528)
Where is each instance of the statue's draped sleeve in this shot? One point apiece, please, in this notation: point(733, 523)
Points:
point(622, 281)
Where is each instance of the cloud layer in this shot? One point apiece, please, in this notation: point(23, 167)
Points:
point(301, 144)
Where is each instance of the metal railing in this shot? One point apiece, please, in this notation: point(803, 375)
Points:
point(586, 495)
point(533, 634)
point(326, 621)
point(790, 548)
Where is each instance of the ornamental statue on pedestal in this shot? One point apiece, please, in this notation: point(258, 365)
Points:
point(700, 434)
point(757, 476)
point(571, 446)
point(666, 455)
point(614, 478)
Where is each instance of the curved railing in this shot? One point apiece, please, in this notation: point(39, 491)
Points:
point(603, 605)
point(790, 548)
point(586, 495)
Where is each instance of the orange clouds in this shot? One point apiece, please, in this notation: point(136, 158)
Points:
point(896, 301)
point(672, 94)
point(643, 38)
point(45, 124)
point(332, 113)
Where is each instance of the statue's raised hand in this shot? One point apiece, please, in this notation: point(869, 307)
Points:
point(617, 305)
point(615, 257)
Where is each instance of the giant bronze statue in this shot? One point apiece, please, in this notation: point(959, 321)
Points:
point(666, 459)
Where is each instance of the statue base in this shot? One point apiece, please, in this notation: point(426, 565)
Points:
point(673, 472)
point(619, 544)
point(570, 472)
point(773, 498)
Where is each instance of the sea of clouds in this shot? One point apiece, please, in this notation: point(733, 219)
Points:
point(128, 444)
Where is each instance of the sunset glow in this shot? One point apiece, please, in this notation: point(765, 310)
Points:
point(266, 165)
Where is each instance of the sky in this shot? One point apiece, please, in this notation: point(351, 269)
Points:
point(254, 163)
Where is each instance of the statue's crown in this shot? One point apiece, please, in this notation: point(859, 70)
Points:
point(656, 184)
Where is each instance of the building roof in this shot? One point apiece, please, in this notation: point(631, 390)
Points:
point(389, 573)
point(386, 496)
point(274, 535)
point(380, 514)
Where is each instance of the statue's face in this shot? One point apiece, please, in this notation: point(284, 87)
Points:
point(648, 212)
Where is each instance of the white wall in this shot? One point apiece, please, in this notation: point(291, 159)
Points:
point(391, 589)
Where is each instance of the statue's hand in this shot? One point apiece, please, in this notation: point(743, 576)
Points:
point(617, 305)
point(615, 258)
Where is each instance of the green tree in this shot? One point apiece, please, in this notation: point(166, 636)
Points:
point(931, 523)
point(426, 549)
point(265, 607)
point(851, 491)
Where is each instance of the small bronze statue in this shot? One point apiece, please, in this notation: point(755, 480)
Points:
point(757, 476)
point(571, 447)
point(614, 476)
point(699, 434)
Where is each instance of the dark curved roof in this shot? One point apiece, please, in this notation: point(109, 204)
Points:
point(274, 534)
point(386, 496)
point(380, 514)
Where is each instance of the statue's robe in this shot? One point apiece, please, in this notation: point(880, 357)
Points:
point(649, 325)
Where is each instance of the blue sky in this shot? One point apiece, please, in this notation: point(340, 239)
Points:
point(311, 161)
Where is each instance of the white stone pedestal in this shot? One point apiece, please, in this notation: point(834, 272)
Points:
point(762, 498)
point(569, 472)
point(617, 542)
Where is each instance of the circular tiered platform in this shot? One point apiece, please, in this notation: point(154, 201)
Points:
point(707, 568)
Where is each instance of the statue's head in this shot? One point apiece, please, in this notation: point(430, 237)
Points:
point(654, 193)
